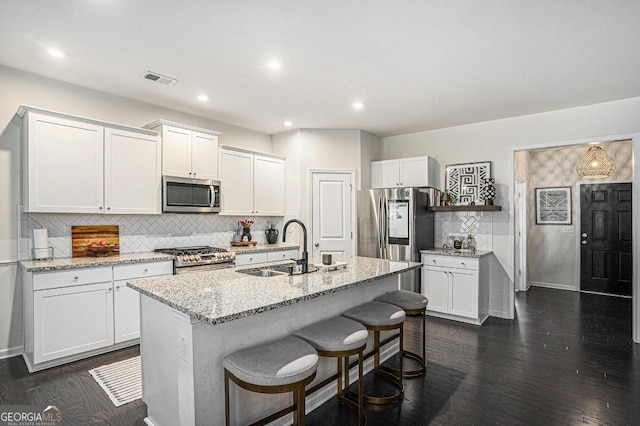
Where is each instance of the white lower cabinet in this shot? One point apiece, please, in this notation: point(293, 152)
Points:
point(74, 314)
point(72, 320)
point(457, 287)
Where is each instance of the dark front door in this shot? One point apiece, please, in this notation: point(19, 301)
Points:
point(605, 251)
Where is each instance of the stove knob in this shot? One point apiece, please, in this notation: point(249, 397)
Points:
point(198, 258)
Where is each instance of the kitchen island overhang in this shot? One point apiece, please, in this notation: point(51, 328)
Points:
point(190, 322)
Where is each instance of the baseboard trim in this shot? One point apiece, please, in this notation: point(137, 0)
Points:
point(553, 286)
point(8, 353)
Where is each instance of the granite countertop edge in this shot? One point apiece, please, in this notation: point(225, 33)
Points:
point(441, 252)
point(67, 263)
point(254, 311)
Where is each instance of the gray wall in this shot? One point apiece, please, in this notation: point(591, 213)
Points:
point(553, 254)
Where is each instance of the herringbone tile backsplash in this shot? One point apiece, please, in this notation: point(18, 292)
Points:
point(141, 233)
point(478, 224)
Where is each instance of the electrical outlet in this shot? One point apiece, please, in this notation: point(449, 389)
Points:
point(183, 347)
point(567, 229)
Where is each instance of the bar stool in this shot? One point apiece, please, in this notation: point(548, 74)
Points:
point(285, 365)
point(340, 338)
point(413, 304)
point(379, 316)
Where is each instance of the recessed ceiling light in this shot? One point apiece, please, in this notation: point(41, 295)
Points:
point(274, 65)
point(203, 98)
point(288, 123)
point(57, 53)
point(357, 105)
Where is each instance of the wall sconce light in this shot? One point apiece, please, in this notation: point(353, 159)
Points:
point(595, 164)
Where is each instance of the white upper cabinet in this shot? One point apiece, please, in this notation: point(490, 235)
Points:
point(405, 172)
point(76, 165)
point(132, 183)
point(251, 183)
point(188, 151)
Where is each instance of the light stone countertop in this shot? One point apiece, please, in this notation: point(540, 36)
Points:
point(441, 252)
point(224, 295)
point(59, 264)
point(263, 248)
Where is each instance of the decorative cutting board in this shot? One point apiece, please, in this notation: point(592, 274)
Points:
point(95, 240)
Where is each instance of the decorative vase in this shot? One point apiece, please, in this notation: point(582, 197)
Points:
point(246, 232)
point(271, 235)
point(489, 191)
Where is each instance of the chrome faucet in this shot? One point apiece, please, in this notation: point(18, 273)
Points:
point(305, 255)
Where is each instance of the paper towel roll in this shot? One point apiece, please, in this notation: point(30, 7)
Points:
point(41, 253)
point(40, 239)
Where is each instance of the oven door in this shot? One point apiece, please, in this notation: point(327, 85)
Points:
point(183, 195)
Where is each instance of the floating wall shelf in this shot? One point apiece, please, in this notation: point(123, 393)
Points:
point(480, 208)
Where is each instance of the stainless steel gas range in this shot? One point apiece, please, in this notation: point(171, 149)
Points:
point(199, 258)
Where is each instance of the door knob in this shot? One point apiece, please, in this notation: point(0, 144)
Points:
point(316, 245)
point(583, 242)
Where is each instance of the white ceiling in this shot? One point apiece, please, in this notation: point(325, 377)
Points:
point(417, 65)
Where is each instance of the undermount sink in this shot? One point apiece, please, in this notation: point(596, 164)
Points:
point(265, 272)
point(275, 270)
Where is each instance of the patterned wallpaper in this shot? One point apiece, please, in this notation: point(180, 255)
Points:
point(140, 233)
point(552, 252)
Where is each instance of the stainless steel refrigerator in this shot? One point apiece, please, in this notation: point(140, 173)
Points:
point(395, 224)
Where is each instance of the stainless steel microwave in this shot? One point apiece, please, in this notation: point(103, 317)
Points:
point(186, 195)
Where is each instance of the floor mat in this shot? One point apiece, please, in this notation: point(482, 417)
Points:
point(122, 380)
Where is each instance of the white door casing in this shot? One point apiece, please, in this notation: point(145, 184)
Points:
point(520, 235)
point(332, 209)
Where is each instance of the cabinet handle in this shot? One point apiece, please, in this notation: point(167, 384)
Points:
point(434, 261)
point(76, 278)
point(100, 207)
point(250, 259)
point(109, 289)
point(256, 211)
point(108, 208)
point(117, 287)
point(462, 263)
point(194, 174)
point(145, 270)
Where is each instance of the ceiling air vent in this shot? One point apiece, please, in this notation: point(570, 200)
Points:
point(158, 78)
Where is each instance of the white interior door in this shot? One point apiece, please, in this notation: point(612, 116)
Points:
point(332, 206)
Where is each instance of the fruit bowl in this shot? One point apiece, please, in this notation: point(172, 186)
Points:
point(102, 250)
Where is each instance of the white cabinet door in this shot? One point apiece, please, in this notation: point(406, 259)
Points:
point(204, 156)
point(268, 178)
point(464, 293)
point(64, 172)
point(385, 174)
point(132, 173)
point(68, 321)
point(176, 151)
point(413, 171)
point(126, 306)
point(236, 182)
point(435, 284)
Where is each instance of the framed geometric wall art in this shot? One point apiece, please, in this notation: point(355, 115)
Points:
point(553, 206)
point(466, 181)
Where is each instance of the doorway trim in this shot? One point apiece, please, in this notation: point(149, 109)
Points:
point(354, 188)
point(521, 214)
point(635, 139)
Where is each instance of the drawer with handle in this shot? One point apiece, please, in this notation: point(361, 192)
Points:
point(450, 261)
point(72, 277)
point(142, 270)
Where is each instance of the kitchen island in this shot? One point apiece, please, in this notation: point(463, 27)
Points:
point(190, 322)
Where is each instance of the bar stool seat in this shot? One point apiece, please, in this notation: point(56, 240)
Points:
point(339, 337)
point(413, 304)
point(285, 365)
point(380, 316)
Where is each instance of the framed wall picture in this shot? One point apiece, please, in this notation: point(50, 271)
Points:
point(553, 206)
point(466, 181)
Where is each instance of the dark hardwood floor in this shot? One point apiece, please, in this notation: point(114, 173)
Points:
point(567, 359)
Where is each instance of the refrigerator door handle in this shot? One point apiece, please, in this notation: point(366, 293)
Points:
point(380, 217)
point(385, 224)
